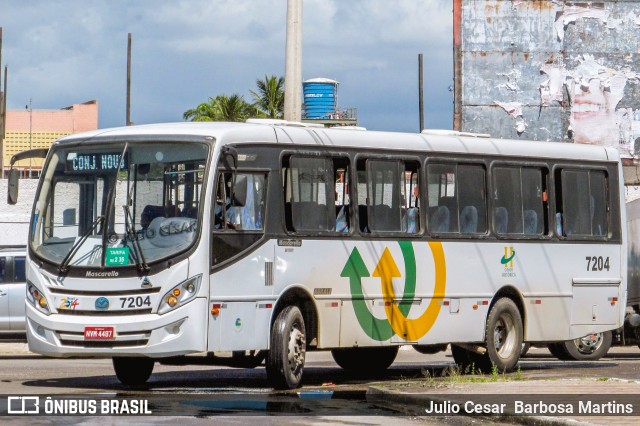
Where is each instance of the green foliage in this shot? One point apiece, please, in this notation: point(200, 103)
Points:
point(268, 103)
point(269, 99)
point(221, 108)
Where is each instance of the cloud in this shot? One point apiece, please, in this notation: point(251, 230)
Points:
point(185, 51)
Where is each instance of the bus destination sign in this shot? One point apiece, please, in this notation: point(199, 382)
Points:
point(94, 162)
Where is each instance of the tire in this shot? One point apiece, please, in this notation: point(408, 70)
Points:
point(133, 371)
point(525, 349)
point(559, 350)
point(503, 336)
point(369, 360)
point(430, 349)
point(285, 359)
point(589, 348)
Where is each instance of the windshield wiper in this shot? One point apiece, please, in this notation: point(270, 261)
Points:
point(130, 230)
point(110, 201)
point(64, 266)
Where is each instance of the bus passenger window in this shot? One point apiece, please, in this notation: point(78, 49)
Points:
point(583, 199)
point(519, 200)
point(240, 201)
point(388, 198)
point(457, 198)
point(311, 194)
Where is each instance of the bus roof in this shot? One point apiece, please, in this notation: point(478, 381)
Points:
point(299, 134)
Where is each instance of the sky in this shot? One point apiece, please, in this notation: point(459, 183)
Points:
point(65, 52)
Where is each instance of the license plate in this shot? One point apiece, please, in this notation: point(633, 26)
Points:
point(98, 333)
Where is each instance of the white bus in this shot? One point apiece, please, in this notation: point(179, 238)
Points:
point(244, 242)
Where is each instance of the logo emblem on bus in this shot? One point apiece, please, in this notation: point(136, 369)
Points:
point(397, 312)
point(507, 259)
point(102, 303)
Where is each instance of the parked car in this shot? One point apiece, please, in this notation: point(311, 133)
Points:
point(12, 290)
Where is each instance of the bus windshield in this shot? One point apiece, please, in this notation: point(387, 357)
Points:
point(118, 205)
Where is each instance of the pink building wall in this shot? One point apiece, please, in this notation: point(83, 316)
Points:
point(72, 119)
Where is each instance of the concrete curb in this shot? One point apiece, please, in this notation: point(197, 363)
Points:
point(411, 402)
point(413, 397)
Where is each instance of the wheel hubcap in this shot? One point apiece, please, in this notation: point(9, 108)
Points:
point(589, 344)
point(504, 336)
point(296, 350)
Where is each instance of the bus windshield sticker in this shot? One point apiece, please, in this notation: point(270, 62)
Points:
point(117, 256)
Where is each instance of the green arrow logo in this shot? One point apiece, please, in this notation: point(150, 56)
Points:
point(355, 270)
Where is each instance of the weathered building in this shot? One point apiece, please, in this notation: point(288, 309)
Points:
point(549, 70)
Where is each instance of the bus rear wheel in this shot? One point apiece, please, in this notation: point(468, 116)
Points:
point(362, 360)
point(504, 336)
point(285, 359)
point(133, 371)
point(588, 348)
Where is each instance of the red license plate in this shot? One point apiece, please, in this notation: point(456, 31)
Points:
point(98, 333)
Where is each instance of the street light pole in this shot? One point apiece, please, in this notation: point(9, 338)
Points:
point(30, 132)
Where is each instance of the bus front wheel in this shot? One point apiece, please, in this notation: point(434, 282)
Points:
point(285, 360)
point(133, 371)
point(362, 360)
point(504, 335)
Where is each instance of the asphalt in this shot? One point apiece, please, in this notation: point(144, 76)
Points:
point(475, 394)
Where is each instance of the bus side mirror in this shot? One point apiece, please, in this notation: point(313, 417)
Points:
point(230, 157)
point(12, 187)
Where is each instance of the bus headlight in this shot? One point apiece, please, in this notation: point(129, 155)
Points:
point(180, 294)
point(37, 299)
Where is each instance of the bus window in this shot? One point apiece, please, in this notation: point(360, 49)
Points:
point(443, 203)
point(385, 203)
point(583, 202)
point(533, 210)
point(457, 198)
point(240, 201)
point(507, 200)
point(342, 199)
point(310, 194)
point(411, 204)
point(518, 200)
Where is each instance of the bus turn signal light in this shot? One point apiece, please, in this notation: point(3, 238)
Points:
point(172, 301)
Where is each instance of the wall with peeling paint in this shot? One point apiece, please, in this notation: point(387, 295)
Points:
point(551, 70)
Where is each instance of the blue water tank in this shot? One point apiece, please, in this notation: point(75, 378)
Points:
point(320, 98)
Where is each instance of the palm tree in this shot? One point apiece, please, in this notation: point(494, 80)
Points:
point(232, 108)
point(220, 108)
point(269, 99)
point(206, 111)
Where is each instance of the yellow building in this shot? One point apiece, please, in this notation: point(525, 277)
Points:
point(27, 129)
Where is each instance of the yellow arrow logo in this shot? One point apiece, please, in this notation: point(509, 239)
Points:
point(411, 329)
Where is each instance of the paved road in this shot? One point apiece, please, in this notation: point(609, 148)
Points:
point(24, 374)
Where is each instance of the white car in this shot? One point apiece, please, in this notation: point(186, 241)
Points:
point(12, 290)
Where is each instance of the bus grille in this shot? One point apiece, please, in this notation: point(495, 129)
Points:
point(103, 344)
point(104, 313)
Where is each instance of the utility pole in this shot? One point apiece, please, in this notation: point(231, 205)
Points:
point(30, 133)
point(293, 62)
point(2, 125)
point(129, 81)
point(420, 91)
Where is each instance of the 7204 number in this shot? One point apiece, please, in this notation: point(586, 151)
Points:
point(135, 302)
point(597, 263)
